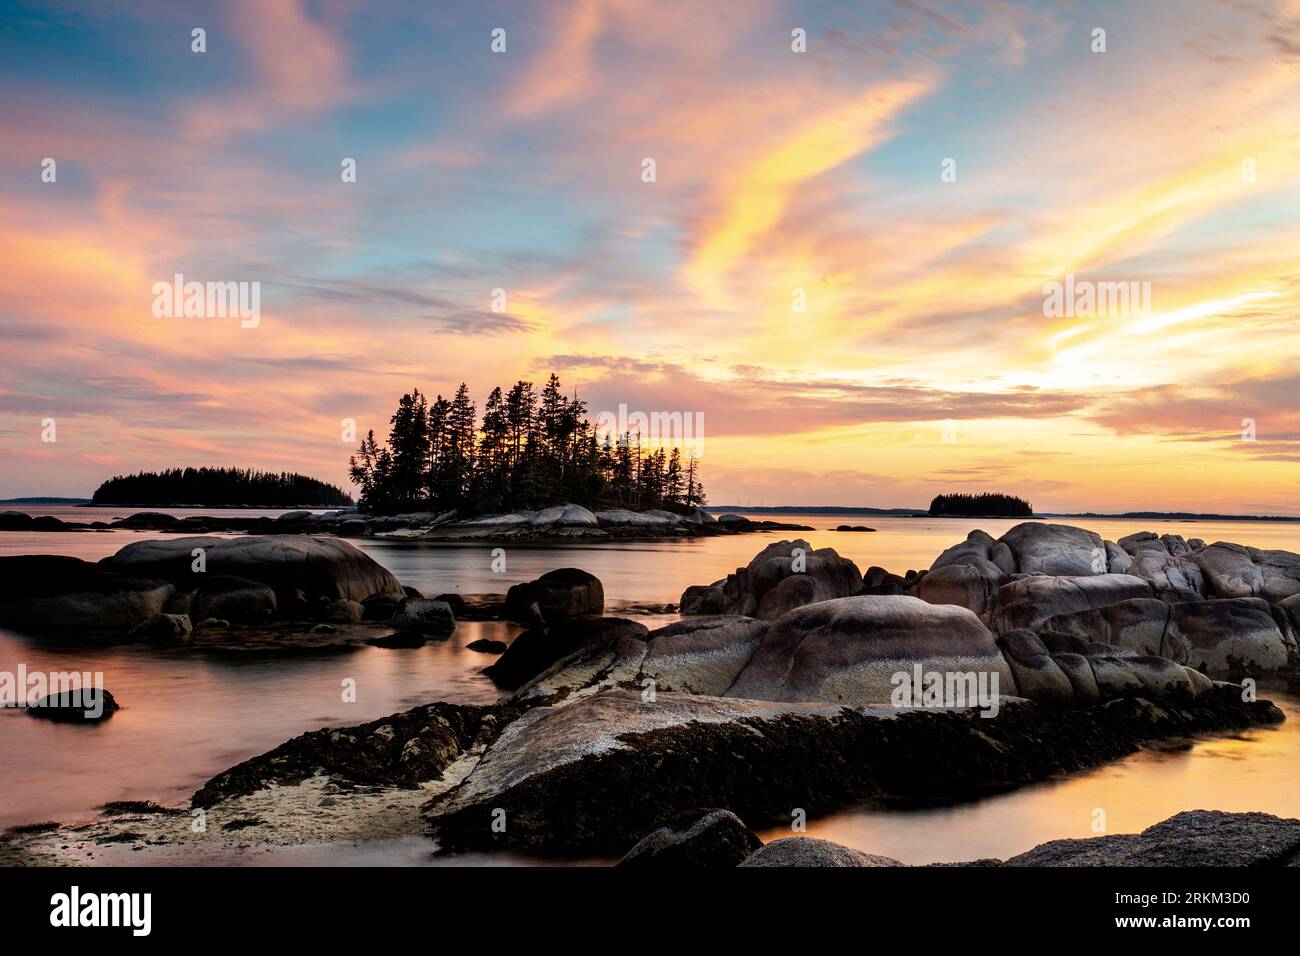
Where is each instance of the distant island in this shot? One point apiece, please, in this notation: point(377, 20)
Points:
point(43, 500)
point(984, 505)
point(219, 487)
point(531, 449)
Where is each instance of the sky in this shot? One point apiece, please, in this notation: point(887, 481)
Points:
point(840, 260)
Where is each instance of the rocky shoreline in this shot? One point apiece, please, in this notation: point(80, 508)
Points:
point(778, 692)
point(560, 523)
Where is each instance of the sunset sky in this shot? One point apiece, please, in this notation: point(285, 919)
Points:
point(775, 171)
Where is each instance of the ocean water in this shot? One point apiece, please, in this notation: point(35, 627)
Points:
point(188, 715)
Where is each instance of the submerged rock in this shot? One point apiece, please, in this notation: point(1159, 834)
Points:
point(82, 706)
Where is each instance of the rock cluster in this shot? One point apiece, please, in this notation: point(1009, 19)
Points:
point(158, 589)
point(1222, 608)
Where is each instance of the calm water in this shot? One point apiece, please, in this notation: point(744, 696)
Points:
point(187, 716)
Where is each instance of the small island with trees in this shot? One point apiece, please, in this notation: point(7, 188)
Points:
point(530, 450)
point(984, 505)
point(219, 488)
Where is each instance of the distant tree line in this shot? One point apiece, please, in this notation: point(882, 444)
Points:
point(531, 449)
point(213, 487)
point(984, 505)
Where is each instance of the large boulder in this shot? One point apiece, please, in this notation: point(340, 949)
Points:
point(810, 851)
point(423, 616)
point(702, 655)
point(1191, 838)
point(538, 648)
point(299, 568)
point(1041, 548)
point(966, 585)
point(1030, 601)
point(849, 650)
point(783, 576)
point(41, 593)
point(559, 594)
point(696, 838)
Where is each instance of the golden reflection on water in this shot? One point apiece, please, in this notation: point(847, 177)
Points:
point(1254, 770)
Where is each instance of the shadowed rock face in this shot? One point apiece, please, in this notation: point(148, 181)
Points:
point(294, 566)
point(783, 576)
point(401, 749)
point(847, 650)
point(599, 773)
point(41, 593)
point(536, 649)
point(708, 838)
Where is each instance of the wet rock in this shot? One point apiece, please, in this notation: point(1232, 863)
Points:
point(424, 616)
point(381, 607)
point(559, 594)
point(399, 750)
point(697, 838)
point(487, 646)
point(1191, 838)
point(164, 628)
point(810, 851)
point(400, 639)
point(454, 601)
point(703, 599)
point(346, 612)
point(90, 705)
point(15, 521)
